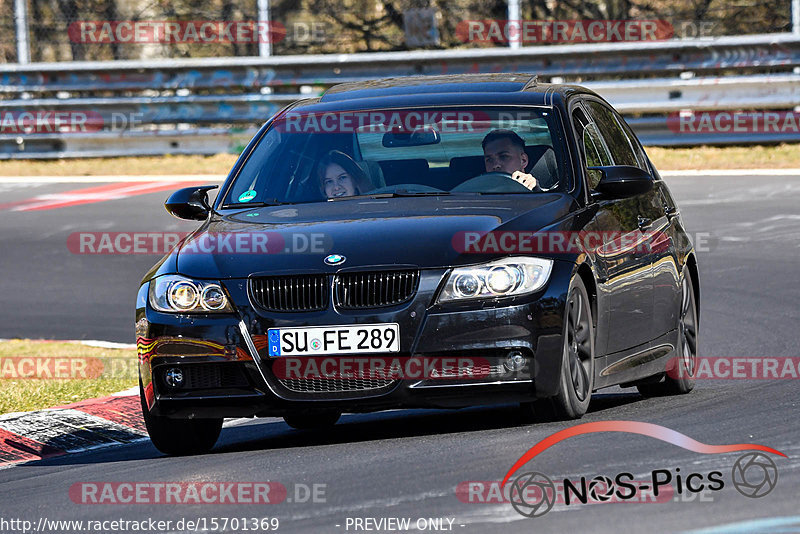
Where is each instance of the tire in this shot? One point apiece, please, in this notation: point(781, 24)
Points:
point(179, 437)
point(311, 421)
point(577, 365)
point(683, 380)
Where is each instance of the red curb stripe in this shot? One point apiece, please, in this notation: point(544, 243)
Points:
point(91, 195)
point(125, 411)
point(15, 449)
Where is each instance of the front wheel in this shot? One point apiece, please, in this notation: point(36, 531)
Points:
point(178, 437)
point(681, 378)
point(577, 365)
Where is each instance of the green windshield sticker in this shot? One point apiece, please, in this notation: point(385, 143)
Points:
point(247, 196)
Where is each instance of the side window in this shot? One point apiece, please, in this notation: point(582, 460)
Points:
point(637, 146)
point(621, 148)
point(594, 149)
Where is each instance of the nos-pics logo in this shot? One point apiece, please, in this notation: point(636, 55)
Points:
point(533, 494)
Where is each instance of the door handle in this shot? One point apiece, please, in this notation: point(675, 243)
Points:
point(644, 223)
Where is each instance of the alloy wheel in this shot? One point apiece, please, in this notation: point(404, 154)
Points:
point(688, 330)
point(579, 351)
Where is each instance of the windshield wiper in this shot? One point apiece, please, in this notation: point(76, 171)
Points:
point(263, 204)
point(407, 193)
point(394, 194)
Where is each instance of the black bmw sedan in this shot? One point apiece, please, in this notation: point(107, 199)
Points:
point(420, 242)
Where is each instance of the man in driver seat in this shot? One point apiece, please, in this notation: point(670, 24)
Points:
point(504, 151)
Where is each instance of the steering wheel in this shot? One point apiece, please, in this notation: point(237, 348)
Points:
point(491, 182)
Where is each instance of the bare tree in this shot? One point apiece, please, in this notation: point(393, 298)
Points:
point(70, 14)
point(354, 25)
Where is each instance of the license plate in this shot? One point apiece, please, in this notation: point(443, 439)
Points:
point(318, 340)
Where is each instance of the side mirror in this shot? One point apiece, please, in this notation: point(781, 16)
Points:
point(190, 203)
point(622, 181)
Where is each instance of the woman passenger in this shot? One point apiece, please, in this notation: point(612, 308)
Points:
point(340, 176)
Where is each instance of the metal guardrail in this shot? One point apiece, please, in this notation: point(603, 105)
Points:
point(654, 131)
point(756, 52)
point(768, 91)
point(194, 109)
point(202, 141)
point(182, 98)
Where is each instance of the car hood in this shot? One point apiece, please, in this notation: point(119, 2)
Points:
point(420, 231)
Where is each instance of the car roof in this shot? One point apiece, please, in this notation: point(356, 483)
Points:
point(410, 85)
point(455, 89)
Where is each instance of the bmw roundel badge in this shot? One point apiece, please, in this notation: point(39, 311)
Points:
point(335, 259)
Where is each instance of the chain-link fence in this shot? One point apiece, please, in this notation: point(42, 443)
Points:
point(87, 30)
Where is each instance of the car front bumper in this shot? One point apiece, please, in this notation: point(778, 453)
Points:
point(228, 372)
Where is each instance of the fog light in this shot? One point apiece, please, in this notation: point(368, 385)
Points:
point(514, 361)
point(174, 377)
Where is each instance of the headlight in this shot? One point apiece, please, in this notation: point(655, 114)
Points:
point(177, 294)
point(501, 278)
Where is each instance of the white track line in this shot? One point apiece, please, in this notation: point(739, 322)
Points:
point(733, 172)
point(88, 342)
point(105, 344)
point(134, 391)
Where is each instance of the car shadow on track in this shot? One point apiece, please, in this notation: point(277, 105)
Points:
point(272, 434)
point(412, 423)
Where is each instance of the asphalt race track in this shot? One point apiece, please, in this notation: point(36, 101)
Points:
point(409, 464)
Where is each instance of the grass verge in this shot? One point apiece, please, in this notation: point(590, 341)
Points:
point(128, 166)
point(42, 374)
point(784, 156)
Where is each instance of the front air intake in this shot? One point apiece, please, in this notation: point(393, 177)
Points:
point(375, 289)
point(300, 293)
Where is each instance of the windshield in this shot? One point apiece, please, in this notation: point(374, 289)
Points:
point(331, 156)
